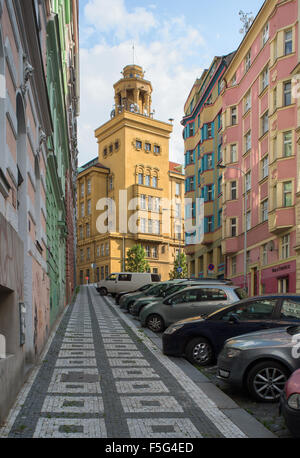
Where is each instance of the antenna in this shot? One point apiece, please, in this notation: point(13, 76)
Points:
point(133, 54)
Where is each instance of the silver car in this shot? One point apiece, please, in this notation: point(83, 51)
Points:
point(261, 361)
point(191, 302)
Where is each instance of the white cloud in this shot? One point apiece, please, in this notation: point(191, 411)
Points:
point(162, 57)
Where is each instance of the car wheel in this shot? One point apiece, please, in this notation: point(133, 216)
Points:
point(155, 323)
point(103, 292)
point(266, 380)
point(199, 351)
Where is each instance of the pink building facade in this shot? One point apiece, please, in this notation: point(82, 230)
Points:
point(260, 134)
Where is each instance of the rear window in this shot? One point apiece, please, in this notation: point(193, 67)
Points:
point(241, 293)
point(212, 294)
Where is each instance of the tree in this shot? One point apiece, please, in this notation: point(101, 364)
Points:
point(179, 263)
point(135, 261)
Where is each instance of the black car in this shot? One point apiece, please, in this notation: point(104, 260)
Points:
point(201, 339)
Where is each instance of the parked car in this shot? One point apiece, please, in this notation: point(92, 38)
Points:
point(290, 404)
point(200, 339)
point(155, 290)
point(260, 361)
point(192, 301)
point(142, 288)
point(136, 307)
point(125, 282)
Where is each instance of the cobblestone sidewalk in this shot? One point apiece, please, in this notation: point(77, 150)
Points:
point(103, 378)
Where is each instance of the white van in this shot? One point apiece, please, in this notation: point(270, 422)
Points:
point(125, 282)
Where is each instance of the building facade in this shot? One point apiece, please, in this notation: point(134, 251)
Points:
point(25, 122)
point(203, 180)
point(134, 171)
point(260, 152)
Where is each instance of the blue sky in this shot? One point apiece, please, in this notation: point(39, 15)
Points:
point(174, 41)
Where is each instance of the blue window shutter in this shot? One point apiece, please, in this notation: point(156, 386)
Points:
point(212, 129)
point(213, 160)
point(198, 151)
point(194, 156)
point(213, 223)
point(202, 193)
point(213, 191)
point(205, 131)
point(206, 194)
point(205, 224)
point(205, 162)
point(202, 134)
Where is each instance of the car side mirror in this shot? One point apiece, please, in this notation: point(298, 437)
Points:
point(234, 319)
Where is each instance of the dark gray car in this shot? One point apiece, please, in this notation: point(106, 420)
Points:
point(261, 361)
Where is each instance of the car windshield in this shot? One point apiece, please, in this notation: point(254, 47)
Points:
point(173, 289)
point(292, 330)
point(241, 293)
point(154, 290)
point(143, 288)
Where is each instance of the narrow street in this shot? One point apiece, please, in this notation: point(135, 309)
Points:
point(102, 377)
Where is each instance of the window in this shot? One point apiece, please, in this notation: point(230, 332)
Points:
point(147, 180)
point(247, 105)
point(147, 147)
point(265, 167)
point(209, 130)
point(155, 252)
point(150, 229)
point(254, 310)
point(89, 207)
point(248, 221)
point(233, 227)
point(98, 251)
point(290, 309)
point(248, 141)
point(264, 210)
point(138, 144)
point(212, 294)
point(150, 203)
point(287, 144)
point(102, 250)
point(111, 183)
point(107, 249)
point(233, 80)
point(288, 42)
point(210, 196)
point(140, 178)
point(209, 161)
point(265, 123)
point(177, 210)
point(285, 247)
point(148, 251)
point(265, 78)
point(233, 116)
point(81, 255)
point(274, 98)
point(154, 182)
point(105, 152)
point(265, 254)
point(82, 190)
point(156, 149)
point(143, 202)
point(143, 225)
point(287, 93)
point(210, 224)
point(287, 194)
point(191, 157)
point(156, 204)
point(81, 232)
point(233, 190)
point(125, 277)
point(110, 148)
point(233, 153)
point(177, 189)
point(88, 231)
point(265, 34)
point(233, 265)
point(248, 61)
point(82, 209)
point(248, 181)
point(156, 227)
point(88, 254)
point(116, 145)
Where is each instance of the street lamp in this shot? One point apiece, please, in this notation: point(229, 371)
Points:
point(221, 166)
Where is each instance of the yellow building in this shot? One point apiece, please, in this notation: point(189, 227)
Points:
point(134, 171)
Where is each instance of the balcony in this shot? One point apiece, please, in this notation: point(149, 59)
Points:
point(231, 245)
point(281, 219)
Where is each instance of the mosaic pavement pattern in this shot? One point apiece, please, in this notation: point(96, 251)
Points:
point(100, 379)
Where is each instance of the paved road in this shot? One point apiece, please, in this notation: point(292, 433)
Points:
point(101, 376)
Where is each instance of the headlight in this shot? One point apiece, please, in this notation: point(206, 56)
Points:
point(294, 401)
point(172, 329)
point(232, 352)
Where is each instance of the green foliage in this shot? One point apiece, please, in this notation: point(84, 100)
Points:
point(180, 261)
point(136, 260)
